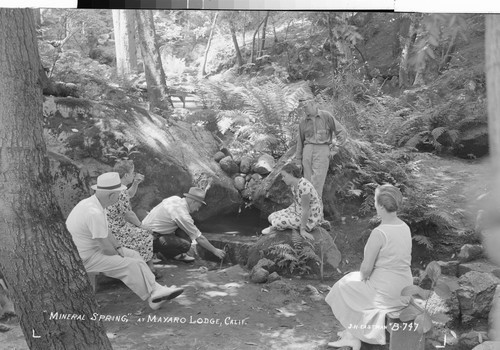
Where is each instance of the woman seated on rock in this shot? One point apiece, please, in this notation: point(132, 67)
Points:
point(361, 300)
point(122, 221)
point(306, 211)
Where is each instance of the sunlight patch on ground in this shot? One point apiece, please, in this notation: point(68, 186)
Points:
point(292, 309)
point(287, 339)
point(165, 266)
point(203, 284)
point(231, 285)
point(184, 301)
point(216, 293)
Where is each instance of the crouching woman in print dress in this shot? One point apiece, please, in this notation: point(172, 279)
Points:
point(306, 211)
point(360, 300)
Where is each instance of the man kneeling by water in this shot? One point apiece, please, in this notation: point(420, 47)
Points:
point(174, 228)
point(101, 252)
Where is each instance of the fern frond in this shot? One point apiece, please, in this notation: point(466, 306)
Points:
point(287, 257)
point(308, 253)
point(423, 240)
point(415, 139)
point(441, 218)
point(296, 238)
point(281, 247)
point(438, 132)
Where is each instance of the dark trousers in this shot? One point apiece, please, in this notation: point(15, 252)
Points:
point(171, 245)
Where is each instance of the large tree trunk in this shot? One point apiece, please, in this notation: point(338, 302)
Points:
point(396, 35)
point(207, 49)
point(126, 51)
point(492, 70)
point(331, 40)
point(37, 13)
point(491, 240)
point(264, 28)
point(155, 75)
point(243, 40)
point(252, 59)
point(235, 43)
point(38, 258)
point(406, 40)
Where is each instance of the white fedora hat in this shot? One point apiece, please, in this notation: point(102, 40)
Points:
point(109, 182)
point(197, 194)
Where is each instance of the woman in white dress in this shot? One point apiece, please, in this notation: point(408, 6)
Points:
point(360, 300)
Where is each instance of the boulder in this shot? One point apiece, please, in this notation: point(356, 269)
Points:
point(226, 152)
point(470, 252)
point(481, 265)
point(236, 248)
point(228, 165)
point(273, 277)
point(259, 275)
point(239, 183)
point(264, 164)
point(245, 164)
point(256, 177)
point(285, 288)
point(452, 303)
point(272, 194)
point(218, 156)
point(267, 264)
point(322, 244)
point(488, 345)
point(472, 338)
point(449, 268)
point(83, 134)
point(313, 293)
point(475, 295)
point(251, 187)
point(71, 181)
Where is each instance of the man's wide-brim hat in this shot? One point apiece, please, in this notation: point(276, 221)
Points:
point(197, 194)
point(109, 182)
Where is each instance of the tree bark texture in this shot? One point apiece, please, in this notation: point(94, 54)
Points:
point(239, 58)
point(331, 40)
point(155, 75)
point(126, 50)
point(492, 69)
point(209, 43)
point(252, 58)
point(264, 28)
point(406, 41)
point(38, 258)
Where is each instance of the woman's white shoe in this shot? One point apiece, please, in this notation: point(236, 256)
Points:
point(267, 230)
point(347, 340)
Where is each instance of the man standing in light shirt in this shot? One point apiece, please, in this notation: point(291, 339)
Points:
point(101, 252)
point(316, 143)
point(174, 229)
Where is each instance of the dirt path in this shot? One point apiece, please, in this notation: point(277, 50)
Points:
point(220, 309)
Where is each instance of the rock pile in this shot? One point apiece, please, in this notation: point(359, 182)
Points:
point(246, 172)
point(474, 284)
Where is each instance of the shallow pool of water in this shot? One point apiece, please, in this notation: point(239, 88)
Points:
point(246, 223)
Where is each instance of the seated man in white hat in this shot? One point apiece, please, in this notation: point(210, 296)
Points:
point(101, 252)
point(174, 229)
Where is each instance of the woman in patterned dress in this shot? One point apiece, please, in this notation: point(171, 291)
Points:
point(123, 222)
point(306, 211)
